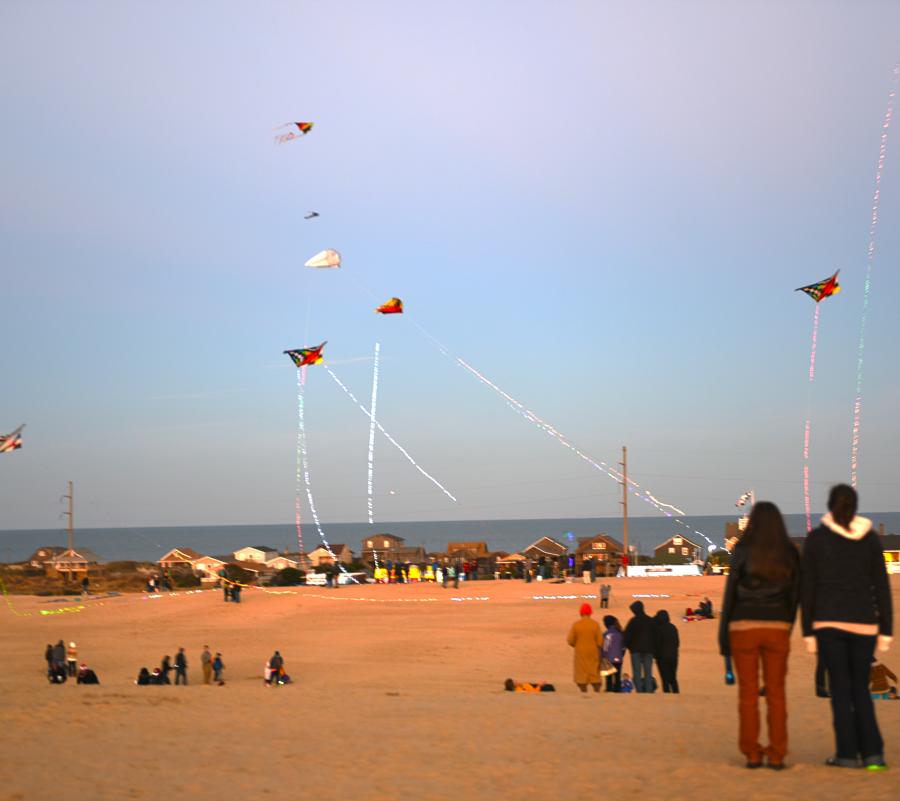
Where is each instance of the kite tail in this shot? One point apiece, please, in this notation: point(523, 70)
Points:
point(301, 381)
point(870, 258)
point(371, 475)
point(807, 506)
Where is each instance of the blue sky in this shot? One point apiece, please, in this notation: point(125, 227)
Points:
point(602, 206)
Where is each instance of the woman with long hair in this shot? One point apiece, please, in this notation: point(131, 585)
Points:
point(846, 612)
point(758, 613)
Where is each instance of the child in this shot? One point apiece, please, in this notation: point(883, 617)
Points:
point(627, 684)
point(218, 666)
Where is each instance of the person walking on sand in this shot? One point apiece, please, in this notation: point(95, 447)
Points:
point(206, 664)
point(181, 667)
point(585, 638)
point(847, 610)
point(605, 590)
point(640, 640)
point(614, 651)
point(666, 651)
point(758, 612)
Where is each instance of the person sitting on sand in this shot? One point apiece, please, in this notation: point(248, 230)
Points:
point(86, 675)
point(586, 639)
point(143, 678)
point(528, 686)
point(627, 684)
point(156, 677)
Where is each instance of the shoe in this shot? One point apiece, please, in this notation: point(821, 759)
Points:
point(875, 763)
point(823, 694)
point(841, 762)
point(875, 768)
point(753, 765)
point(777, 765)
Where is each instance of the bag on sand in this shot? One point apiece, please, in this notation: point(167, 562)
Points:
point(606, 667)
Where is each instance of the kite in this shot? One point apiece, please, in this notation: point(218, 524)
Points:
point(304, 356)
point(822, 289)
point(325, 259)
point(303, 128)
point(818, 292)
point(11, 442)
point(393, 306)
point(309, 215)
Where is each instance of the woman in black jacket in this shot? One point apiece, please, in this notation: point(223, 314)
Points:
point(846, 611)
point(666, 651)
point(758, 613)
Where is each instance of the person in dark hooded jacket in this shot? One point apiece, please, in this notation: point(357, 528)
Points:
point(640, 639)
point(666, 651)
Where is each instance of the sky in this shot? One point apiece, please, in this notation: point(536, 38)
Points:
point(604, 207)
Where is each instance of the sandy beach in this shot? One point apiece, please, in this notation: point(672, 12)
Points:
point(398, 694)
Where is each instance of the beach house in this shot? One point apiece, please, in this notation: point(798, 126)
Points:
point(390, 548)
point(255, 553)
point(72, 563)
point(547, 547)
point(605, 552)
point(43, 555)
point(179, 557)
point(677, 550)
point(208, 567)
point(322, 556)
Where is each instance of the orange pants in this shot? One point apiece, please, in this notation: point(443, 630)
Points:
point(749, 648)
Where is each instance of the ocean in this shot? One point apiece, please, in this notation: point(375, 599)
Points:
point(149, 544)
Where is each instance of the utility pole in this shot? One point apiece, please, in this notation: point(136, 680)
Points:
point(624, 502)
point(70, 529)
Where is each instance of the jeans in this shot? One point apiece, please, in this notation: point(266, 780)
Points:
point(848, 658)
point(614, 680)
point(181, 675)
point(749, 647)
point(642, 671)
point(668, 674)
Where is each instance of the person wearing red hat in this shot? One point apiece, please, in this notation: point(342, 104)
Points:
point(586, 638)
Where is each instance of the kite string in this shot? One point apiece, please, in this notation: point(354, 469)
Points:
point(301, 380)
point(599, 465)
point(389, 438)
point(304, 454)
point(807, 506)
point(870, 258)
point(374, 402)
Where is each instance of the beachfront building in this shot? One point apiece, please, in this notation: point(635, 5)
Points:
point(208, 567)
point(43, 555)
point(390, 548)
point(677, 549)
point(255, 553)
point(179, 557)
point(604, 551)
point(510, 565)
point(546, 547)
point(322, 556)
point(281, 562)
point(72, 564)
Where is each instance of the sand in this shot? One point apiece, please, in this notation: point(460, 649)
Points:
point(396, 696)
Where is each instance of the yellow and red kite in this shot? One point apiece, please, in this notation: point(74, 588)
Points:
point(393, 306)
point(304, 356)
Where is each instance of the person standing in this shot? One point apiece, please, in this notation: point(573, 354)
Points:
point(614, 651)
point(585, 638)
point(218, 666)
point(165, 670)
point(528, 566)
point(181, 667)
point(847, 610)
point(85, 585)
point(758, 612)
point(605, 590)
point(59, 656)
point(276, 667)
point(72, 660)
point(666, 651)
point(640, 640)
point(206, 664)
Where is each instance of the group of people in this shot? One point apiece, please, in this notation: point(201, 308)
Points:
point(389, 572)
point(159, 584)
point(62, 664)
point(840, 584)
point(212, 666)
point(601, 655)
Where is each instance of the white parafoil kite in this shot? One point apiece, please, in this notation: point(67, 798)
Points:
point(330, 259)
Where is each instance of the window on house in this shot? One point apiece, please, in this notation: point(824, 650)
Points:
point(684, 551)
point(387, 544)
point(602, 546)
point(368, 543)
point(677, 540)
point(671, 550)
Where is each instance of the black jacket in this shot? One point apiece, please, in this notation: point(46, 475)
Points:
point(845, 580)
point(640, 633)
point(180, 661)
point(751, 597)
point(667, 641)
